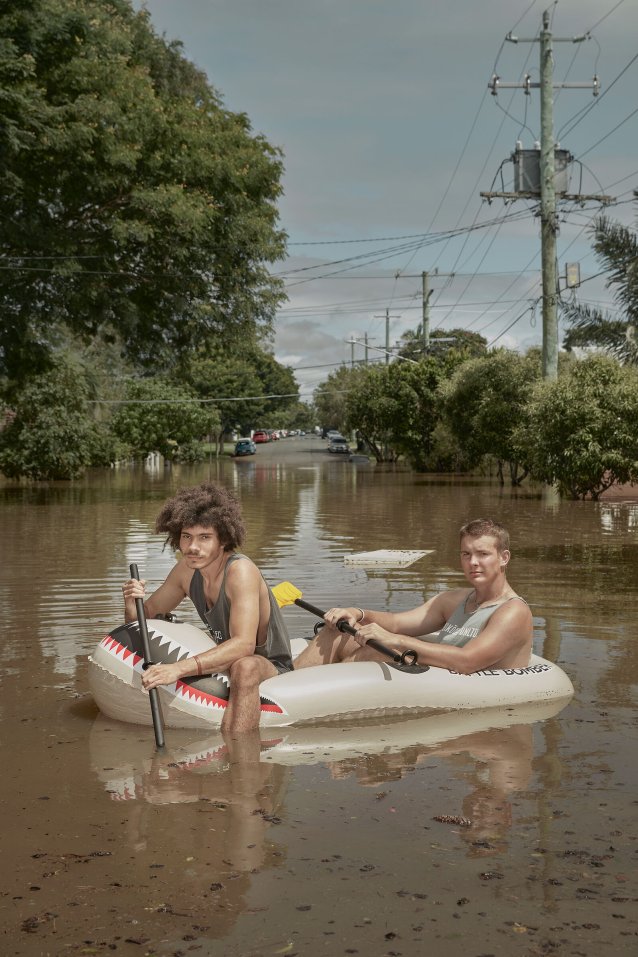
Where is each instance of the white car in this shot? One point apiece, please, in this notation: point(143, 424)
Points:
point(337, 443)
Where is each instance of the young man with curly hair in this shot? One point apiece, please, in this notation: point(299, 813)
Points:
point(205, 524)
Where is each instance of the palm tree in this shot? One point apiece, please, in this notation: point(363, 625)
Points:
point(617, 247)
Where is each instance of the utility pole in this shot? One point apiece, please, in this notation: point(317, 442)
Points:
point(387, 333)
point(426, 292)
point(547, 177)
point(425, 328)
point(549, 222)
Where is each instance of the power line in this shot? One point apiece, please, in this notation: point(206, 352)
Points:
point(566, 129)
point(513, 323)
point(607, 135)
point(608, 14)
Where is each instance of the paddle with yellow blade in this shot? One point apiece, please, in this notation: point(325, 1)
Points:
point(288, 594)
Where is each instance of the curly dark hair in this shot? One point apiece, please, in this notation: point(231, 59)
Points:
point(209, 505)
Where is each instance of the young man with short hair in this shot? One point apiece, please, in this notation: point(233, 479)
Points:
point(463, 630)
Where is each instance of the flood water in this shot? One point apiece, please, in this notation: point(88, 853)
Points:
point(440, 835)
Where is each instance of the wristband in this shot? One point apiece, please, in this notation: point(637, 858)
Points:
point(199, 664)
point(363, 614)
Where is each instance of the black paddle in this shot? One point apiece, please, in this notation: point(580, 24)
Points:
point(405, 658)
point(153, 694)
point(287, 594)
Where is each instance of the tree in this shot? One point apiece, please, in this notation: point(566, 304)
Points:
point(278, 382)
point(135, 208)
point(579, 431)
point(372, 411)
point(617, 248)
point(51, 431)
point(396, 407)
point(158, 416)
point(483, 405)
point(227, 377)
point(469, 344)
point(331, 396)
point(240, 384)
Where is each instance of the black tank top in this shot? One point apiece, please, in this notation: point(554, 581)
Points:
point(277, 645)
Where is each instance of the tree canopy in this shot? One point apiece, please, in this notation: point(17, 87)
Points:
point(579, 431)
point(395, 408)
point(483, 403)
point(249, 389)
point(330, 398)
point(158, 416)
point(463, 341)
point(135, 208)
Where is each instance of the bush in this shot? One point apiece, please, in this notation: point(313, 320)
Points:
point(579, 432)
point(51, 434)
point(162, 417)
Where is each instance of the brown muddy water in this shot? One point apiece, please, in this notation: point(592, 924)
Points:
point(453, 837)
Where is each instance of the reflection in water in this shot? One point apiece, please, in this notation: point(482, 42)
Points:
point(239, 798)
point(188, 771)
point(496, 763)
point(243, 782)
point(500, 765)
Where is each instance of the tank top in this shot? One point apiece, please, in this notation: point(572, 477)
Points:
point(277, 645)
point(464, 625)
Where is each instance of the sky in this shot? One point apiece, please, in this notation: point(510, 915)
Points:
point(389, 134)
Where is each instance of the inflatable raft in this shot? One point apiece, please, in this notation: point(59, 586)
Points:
point(328, 693)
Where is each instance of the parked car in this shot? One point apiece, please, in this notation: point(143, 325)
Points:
point(245, 447)
point(338, 444)
point(261, 436)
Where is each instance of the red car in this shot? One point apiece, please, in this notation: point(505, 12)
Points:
point(261, 436)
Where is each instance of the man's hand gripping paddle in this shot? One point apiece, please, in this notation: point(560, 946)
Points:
point(287, 594)
point(153, 693)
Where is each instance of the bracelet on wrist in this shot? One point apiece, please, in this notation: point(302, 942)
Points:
point(362, 616)
point(198, 664)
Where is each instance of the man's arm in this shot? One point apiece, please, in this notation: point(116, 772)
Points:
point(508, 631)
point(167, 597)
point(422, 620)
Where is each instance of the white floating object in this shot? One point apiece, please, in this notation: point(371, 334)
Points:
point(396, 557)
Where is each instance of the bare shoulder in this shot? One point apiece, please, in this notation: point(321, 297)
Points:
point(181, 575)
point(171, 592)
point(243, 574)
point(514, 612)
point(516, 606)
point(449, 601)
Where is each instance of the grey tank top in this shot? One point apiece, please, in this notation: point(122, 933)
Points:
point(463, 625)
point(277, 645)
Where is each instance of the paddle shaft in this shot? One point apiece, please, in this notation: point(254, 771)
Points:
point(153, 694)
point(343, 625)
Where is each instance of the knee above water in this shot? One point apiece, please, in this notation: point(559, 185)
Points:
point(245, 671)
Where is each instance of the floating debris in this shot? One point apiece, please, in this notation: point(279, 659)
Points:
point(389, 557)
point(453, 819)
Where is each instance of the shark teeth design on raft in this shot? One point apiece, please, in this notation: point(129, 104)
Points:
point(187, 689)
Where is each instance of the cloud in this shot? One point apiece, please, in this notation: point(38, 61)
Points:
point(389, 129)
